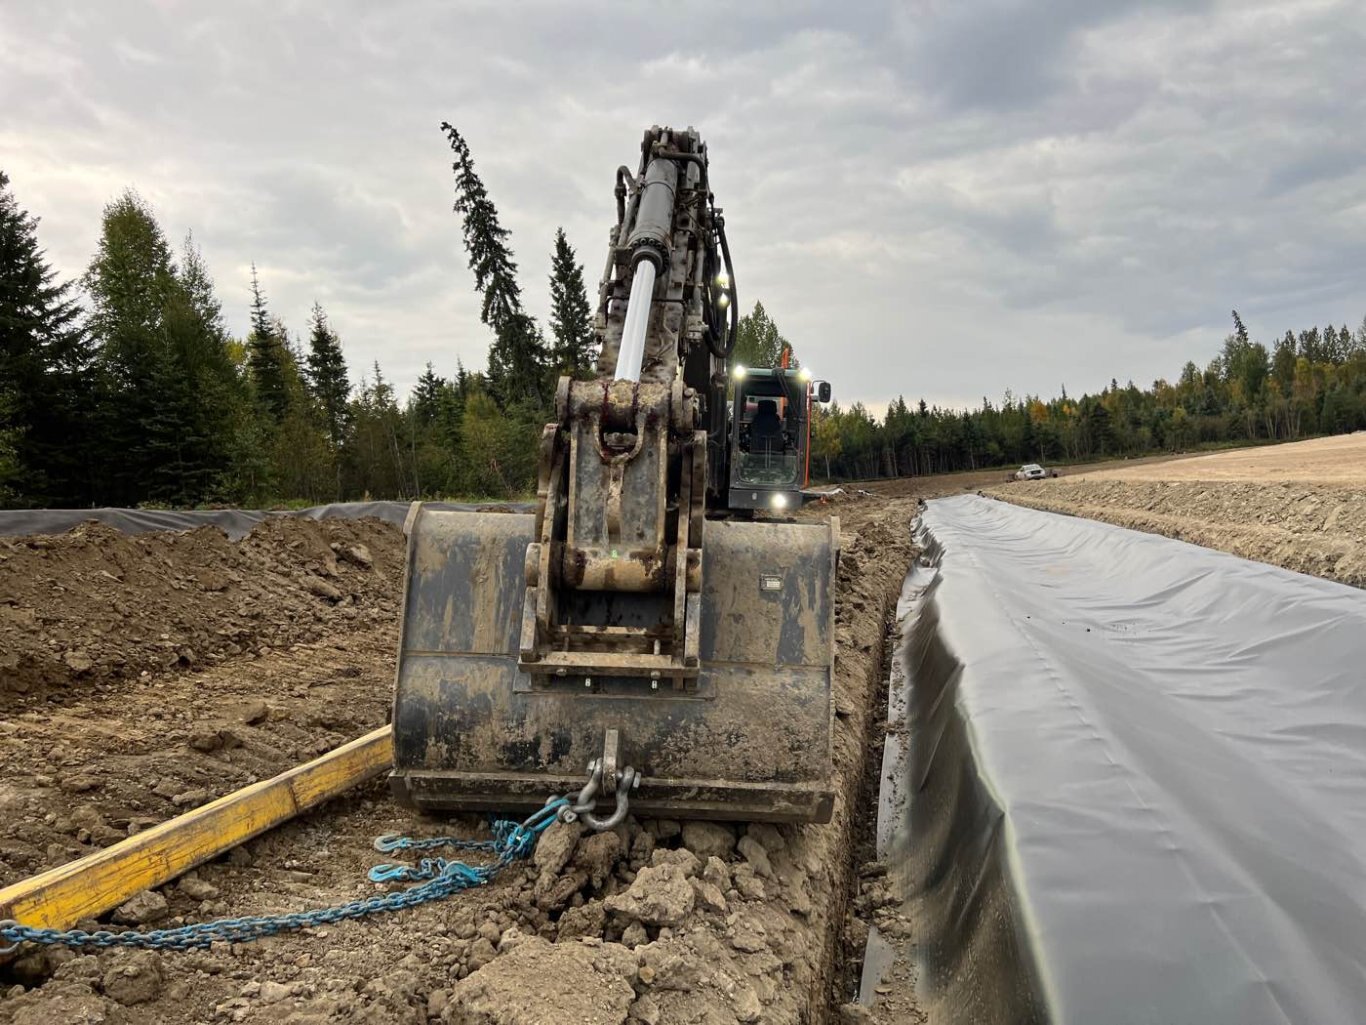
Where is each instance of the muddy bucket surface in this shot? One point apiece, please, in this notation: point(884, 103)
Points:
point(750, 739)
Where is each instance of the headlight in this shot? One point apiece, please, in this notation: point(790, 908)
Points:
point(804, 374)
point(738, 372)
point(778, 501)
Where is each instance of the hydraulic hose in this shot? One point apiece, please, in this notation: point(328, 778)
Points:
point(723, 344)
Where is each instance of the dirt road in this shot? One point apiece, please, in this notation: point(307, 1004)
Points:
point(1300, 505)
point(149, 675)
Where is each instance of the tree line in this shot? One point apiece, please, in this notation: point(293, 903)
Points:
point(125, 387)
point(1307, 383)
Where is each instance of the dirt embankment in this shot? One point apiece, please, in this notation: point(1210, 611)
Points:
point(94, 607)
point(657, 922)
point(1304, 527)
point(1339, 461)
point(1301, 506)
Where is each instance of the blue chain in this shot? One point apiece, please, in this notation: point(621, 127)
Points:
point(440, 878)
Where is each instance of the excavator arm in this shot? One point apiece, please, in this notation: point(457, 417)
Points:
point(619, 634)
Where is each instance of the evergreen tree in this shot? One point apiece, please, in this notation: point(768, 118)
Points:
point(268, 355)
point(303, 464)
point(571, 320)
point(759, 343)
point(9, 447)
point(517, 363)
point(173, 411)
point(1239, 330)
point(426, 403)
point(495, 272)
point(1245, 365)
point(435, 413)
point(148, 418)
point(215, 402)
point(46, 390)
point(327, 377)
point(1346, 345)
point(1311, 345)
point(517, 357)
point(376, 462)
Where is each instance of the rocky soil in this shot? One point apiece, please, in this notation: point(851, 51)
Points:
point(93, 608)
point(290, 637)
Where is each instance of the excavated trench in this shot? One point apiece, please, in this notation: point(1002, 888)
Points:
point(864, 868)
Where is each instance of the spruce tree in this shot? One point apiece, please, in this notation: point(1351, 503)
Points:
point(131, 283)
point(171, 415)
point(427, 396)
point(45, 358)
point(517, 363)
point(571, 320)
point(434, 415)
point(378, 464)
point(327, 377)
point(267, 355)
point(9, 447)
point(517, 357)
point(218, 403)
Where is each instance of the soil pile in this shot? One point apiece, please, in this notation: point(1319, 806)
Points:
point(94, 607)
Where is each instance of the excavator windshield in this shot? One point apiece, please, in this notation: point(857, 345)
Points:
point(768, 422)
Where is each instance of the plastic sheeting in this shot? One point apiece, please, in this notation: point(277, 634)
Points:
point(236, 523)
point(1133, 784)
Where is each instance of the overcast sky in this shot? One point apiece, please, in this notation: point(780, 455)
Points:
point(938, 199)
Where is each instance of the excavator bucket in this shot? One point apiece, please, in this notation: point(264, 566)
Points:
point(748, 737)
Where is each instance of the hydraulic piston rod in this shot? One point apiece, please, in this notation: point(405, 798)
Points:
point(631, 355)
point(650, 242)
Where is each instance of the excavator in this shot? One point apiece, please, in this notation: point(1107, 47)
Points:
point(770, 450)
point(656, 638)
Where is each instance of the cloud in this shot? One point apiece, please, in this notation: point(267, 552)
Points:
point(931, 198)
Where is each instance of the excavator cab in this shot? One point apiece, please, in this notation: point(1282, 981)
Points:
point(622, 643)
point(770, 437)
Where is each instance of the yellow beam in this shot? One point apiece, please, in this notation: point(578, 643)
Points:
point(60, 897)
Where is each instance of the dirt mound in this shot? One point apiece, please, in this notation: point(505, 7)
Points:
point(108, 763)
point(1339, 461)
point(657, 922)
point(1311, 528)
point(93, 607)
